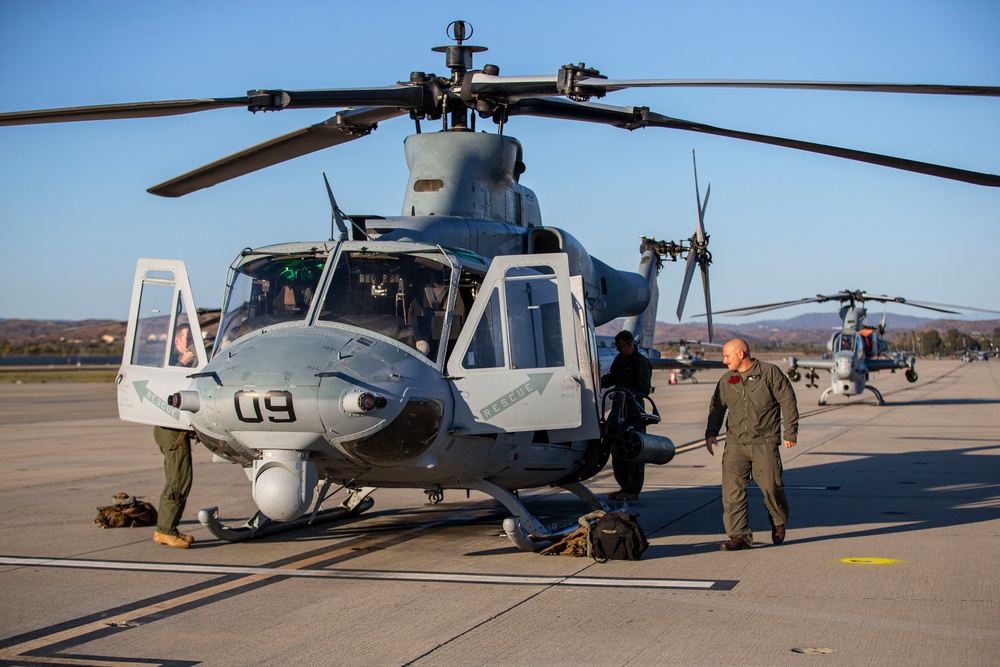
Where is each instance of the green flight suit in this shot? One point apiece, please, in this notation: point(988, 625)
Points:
point(757, 401)
point(175, 446)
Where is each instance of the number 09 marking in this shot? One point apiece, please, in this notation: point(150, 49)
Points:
point(275, 400)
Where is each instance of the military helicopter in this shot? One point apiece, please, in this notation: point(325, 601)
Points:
point(856, 347)
point(691, 362)
point(450, 347)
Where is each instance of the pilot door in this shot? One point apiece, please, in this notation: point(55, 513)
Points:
point(516, 365)
point(163, 344)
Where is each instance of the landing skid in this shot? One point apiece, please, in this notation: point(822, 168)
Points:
point(524, 530)
point(259, 525)
point(878, 395)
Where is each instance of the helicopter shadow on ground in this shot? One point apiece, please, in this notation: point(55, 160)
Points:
point(951, 401)
point(863, 495)
point(912, 491)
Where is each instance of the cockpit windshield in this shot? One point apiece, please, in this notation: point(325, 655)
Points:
point(845, 343)
point(400, 295)
point(274, 288)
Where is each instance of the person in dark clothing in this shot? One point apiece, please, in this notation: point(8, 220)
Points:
point(630, 370)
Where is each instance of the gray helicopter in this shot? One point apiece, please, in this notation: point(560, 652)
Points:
point(857, 349)
point(691, 361)
point(450, 347)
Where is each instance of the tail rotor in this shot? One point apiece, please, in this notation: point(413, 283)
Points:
point(698, 254)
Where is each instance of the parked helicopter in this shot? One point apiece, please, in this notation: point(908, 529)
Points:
point(856, 347)
point(691, 362)
point(450, 347)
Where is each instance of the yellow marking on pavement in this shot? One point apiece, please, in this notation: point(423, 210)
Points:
point(868, 561)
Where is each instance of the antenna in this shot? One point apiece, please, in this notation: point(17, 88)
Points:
point(337, 217)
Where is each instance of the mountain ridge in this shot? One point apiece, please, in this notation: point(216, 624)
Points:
point(805, 329)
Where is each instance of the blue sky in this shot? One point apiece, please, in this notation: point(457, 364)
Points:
point(75, 214)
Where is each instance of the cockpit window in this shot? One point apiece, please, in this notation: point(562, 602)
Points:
point(846, 343)
point(269, 290)
point(400, 295)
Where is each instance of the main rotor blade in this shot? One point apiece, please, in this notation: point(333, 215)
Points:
point(612, 85)
point(939, 307)
point(751, 310)
point(345, 126)
point(631, 118)
point(119, 111)
point(513, 88)
point(951, 173)
point(398, 96)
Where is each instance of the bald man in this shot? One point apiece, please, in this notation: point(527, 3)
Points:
point(759, 400)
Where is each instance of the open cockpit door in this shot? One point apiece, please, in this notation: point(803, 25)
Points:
point(163, 344)
point(516, 364)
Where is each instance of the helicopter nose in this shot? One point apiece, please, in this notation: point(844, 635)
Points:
point(312, 389)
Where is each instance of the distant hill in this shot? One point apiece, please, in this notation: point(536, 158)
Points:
point(831, 320)
point(19, 331)
point(802, 330)
point(808, 329)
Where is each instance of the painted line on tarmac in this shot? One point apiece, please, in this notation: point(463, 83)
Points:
point(457, 578)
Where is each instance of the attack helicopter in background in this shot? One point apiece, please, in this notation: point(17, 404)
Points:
point(858, 349)
point(691, 362)
point(449, 347)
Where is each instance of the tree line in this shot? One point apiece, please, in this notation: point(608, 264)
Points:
point(60, 348)
point(930, 342)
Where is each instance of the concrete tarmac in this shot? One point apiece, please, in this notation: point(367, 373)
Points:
point(891, 554)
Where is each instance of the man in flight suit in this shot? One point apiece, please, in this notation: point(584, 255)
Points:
point(758, 398)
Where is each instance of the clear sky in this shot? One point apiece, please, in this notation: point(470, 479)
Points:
point(75, 215)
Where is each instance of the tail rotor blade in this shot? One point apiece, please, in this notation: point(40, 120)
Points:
point(688, 275)
point(699, 252)
point(708, 300)
point(700, 229)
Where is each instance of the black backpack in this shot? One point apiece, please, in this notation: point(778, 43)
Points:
point(617, 536)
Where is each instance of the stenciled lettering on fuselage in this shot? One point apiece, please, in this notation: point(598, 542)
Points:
point(147, 394)
point(536, 383)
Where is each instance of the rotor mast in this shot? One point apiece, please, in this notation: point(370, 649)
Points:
point(458, 58)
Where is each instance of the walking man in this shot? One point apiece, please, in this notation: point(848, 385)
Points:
point(758, 399)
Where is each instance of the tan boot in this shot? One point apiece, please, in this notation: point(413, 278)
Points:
point(187, 538)
point(171, 540)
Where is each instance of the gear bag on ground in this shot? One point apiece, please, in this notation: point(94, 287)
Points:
point(126, 511)
point(617, 536)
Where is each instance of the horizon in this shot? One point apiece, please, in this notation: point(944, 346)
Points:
point(717, 321)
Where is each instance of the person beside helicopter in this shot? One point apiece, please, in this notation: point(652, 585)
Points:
point(630, 370)
point(175, 445)
point(758, 399)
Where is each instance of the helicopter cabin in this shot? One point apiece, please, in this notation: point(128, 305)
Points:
point(403, 292)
